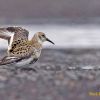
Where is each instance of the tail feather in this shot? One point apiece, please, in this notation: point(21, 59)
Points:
point(8, 60)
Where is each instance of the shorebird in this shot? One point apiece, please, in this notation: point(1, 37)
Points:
point(22, 52)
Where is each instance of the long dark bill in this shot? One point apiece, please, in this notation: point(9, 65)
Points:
point(49, 41)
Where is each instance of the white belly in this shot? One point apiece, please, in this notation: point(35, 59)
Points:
point(24, 62)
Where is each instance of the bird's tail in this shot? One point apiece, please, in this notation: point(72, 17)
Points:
point(7, 60)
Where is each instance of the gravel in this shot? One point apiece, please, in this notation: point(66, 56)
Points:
point(62, 74)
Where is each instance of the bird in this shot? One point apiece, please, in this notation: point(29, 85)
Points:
point(22, 52)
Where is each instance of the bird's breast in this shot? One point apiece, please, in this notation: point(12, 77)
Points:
point(37, 53)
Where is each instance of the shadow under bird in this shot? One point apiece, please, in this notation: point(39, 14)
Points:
point(21, 51)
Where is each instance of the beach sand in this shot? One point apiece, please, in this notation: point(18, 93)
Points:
point(55, 79)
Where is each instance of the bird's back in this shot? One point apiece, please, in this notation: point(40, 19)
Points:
point(21, 48)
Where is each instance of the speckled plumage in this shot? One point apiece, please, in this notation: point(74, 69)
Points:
point(21, 51)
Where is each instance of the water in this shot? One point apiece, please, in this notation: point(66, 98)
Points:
point(65, 35)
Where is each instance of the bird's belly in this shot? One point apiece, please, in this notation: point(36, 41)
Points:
point(24, 62)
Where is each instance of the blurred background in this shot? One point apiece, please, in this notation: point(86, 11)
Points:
point(74, 26)
point(69, 23)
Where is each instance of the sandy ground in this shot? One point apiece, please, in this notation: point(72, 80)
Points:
point(53, 80)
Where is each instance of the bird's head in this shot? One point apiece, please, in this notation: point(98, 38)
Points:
point(41, 37)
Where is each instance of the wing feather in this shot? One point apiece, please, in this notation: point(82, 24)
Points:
point(19, 34)
point(9, 60)
point(4, 34)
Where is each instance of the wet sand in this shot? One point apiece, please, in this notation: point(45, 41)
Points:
point(53, 80)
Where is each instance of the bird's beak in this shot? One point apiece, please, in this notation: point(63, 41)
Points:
point(49, 41)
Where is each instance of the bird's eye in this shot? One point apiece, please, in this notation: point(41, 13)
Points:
point(43, 35)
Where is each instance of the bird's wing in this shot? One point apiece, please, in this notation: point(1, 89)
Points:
point(12, 59)
point(19, 34)
point(18, 37)
point(4, 34)
point(9, 60)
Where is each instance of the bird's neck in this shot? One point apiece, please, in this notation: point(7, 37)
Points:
point(35, 42)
